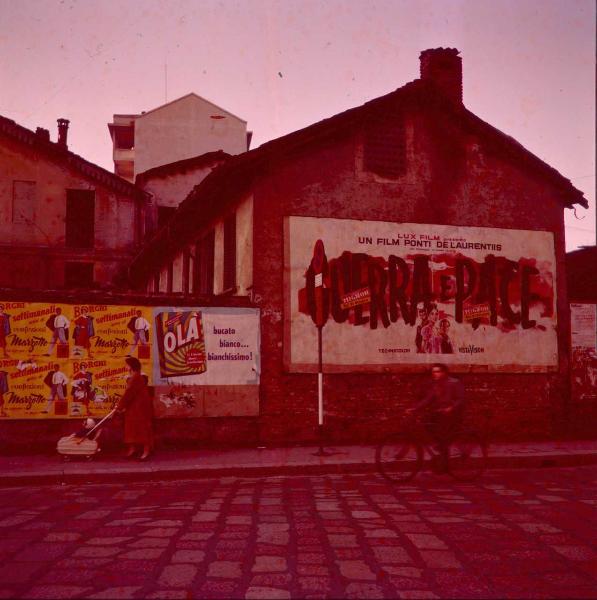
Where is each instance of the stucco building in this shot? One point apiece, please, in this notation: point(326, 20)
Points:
point(64, 222)
point(403, 217)
point(182, 129)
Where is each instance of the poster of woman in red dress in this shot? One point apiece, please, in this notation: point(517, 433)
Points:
point(83, 333)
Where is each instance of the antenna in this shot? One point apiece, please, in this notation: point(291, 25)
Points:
point(165, 82)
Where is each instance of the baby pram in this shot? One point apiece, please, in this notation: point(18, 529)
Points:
point(87, 446)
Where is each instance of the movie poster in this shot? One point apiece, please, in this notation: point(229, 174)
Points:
point(402, 296)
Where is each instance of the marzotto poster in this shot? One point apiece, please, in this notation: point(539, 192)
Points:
point(393, 295)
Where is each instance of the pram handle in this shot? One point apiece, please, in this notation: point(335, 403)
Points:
point(108, 416)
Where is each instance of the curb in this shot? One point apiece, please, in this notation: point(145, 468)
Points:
point(192, 472)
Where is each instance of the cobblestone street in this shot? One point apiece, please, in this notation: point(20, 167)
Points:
point(525, 533)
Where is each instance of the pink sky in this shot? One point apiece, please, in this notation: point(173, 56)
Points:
point(529, 66)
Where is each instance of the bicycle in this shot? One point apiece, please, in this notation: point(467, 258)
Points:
point(401, 456)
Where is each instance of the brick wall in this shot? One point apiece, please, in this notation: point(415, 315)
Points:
point(452, 179)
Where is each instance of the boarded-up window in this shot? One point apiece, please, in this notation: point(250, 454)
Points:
point(230, 253)
point(23, 201)
point(80, 219)
point(203, 272)
point(78, 275)
point(385, 147)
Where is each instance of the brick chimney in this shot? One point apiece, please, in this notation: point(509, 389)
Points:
point(62, 132)
point(443, 67)
point(42, 134)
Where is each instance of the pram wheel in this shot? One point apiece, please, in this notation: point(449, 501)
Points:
point(65, 458)
point(89, 457)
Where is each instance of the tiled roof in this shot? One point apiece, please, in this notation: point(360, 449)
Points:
point(180, 166)
point(220, 187)
point(60, 155)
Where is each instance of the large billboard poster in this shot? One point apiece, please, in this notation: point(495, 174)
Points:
point(400, 296)
point(66, 361)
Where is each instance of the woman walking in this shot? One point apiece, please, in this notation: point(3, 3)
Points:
point(137, 406)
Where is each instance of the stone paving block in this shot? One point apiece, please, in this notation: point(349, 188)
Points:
point(257, 593)
point(197, 535)
point(440, 559)
point(230, 555)
point(225, 569)
point(342, 541)
point(364, 590)
point(206, 516)
point(169, 595)
point(426, 541)
point(272, 579)
point(143, 554)
point(107, 541)
point(355, 569)
point(57, 591)
point(270, 549)
point(116, 593)
point(160, 532)
point(348, 553)
point(188, 556)
point(6, 594)
point(315, 584)
point(313, 570)
point(416, 595)
point(312, 558)
point(149, 543)
point(269, 564)
point(216, 588)
point(392, 555)
point(177, 576)
point(96, 551)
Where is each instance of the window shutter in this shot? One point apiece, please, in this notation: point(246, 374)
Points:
point(385, 147)
point(80, 219)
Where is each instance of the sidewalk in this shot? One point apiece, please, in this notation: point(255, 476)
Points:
point(254, 462)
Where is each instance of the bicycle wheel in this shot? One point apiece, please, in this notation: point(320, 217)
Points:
point(398, 459)
point(467, 457)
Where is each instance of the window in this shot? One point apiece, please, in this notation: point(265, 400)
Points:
point(80, 219)
point(203, 273)
point(165, 214)
point(385, 147)
point(230, 253)
point(23, 201)
point(78, 275)
point(124, 137)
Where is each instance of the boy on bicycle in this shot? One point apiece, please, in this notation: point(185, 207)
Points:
point(442, 406)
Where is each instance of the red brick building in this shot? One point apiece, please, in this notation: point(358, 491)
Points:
point(418, 170)
point(64, 222)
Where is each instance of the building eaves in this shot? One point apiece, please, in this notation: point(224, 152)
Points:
point(181, 166)
point(212, 195)
point(65, 157)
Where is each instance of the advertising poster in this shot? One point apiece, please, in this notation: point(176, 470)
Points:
point(584, 350)
point(402, 296)
point(198, 351)
point(67, 361)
